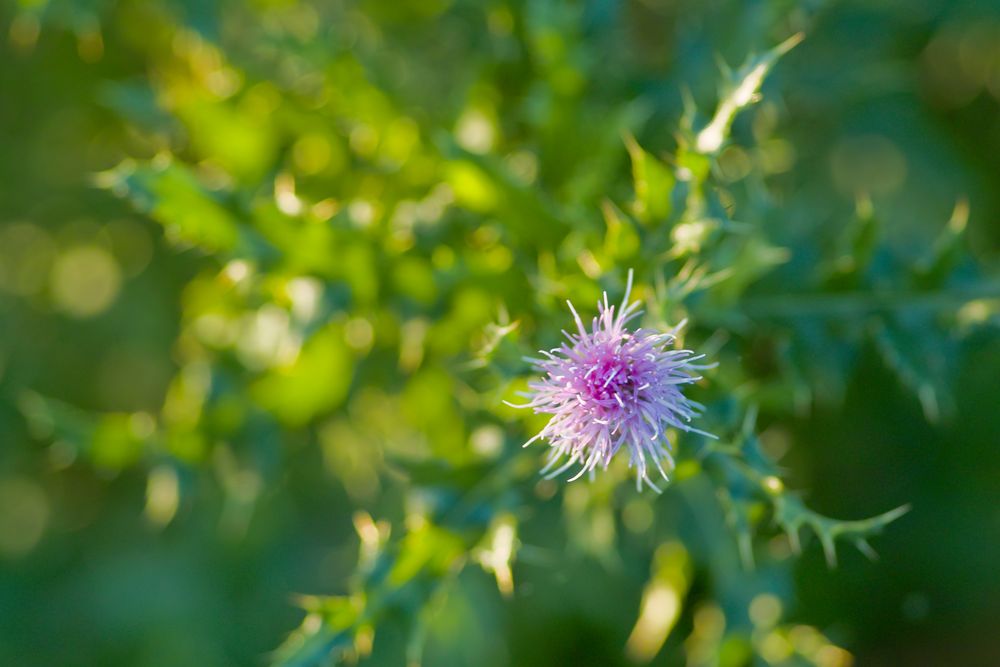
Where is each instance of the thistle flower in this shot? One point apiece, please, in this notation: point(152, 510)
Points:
point(612, 387)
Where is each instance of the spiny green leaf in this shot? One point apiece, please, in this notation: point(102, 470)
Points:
point(314, 383)
point(112, 440)
point(311, 646)
point(745, 476)
point(920, 353)
point(482, 183)
point(653, 182)
point(791, 514)
point(742, 93)
point(327, 630)
point(948, 250)
point(170, 194)
point(856, 249)
point(621, 240)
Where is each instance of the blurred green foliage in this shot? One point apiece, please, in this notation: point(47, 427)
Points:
point(269, 269)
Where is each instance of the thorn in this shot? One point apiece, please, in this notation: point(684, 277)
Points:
point(866, 548)
point(893, 514)
point(793, 540)
point(829, 549)
point(959, 216)
point(790, 43)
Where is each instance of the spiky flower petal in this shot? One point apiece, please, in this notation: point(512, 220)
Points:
point(612, 387)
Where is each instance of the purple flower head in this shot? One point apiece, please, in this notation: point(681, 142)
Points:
point(611, 387)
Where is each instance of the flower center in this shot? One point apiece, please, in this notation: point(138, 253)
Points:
point(610, 380)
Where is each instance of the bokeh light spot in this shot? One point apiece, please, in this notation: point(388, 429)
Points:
point(24, 513)
point(85, 281)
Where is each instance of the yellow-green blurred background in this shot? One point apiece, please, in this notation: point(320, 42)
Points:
point(249, 252)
